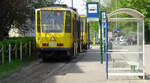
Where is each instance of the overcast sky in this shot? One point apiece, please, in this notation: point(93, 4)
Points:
point(80, 5)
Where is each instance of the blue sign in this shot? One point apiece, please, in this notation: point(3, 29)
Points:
point(118, 30)
point(93, 9)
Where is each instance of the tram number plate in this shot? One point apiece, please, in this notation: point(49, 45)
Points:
point(52, 44)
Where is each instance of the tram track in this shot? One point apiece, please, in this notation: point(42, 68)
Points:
point(37, 71)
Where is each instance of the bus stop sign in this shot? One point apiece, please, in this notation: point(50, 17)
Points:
point(93, 9)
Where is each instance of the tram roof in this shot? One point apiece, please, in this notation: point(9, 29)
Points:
point(59, 7)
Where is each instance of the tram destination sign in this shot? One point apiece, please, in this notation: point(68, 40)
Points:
point(93, 9)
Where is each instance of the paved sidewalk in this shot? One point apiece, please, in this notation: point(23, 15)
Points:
point(89, 70)
point(92, 70)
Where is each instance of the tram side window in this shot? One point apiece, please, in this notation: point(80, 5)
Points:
point(38, 21)
point(68, 22)
point(75, 26)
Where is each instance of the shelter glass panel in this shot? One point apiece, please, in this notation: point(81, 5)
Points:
point(126, 48)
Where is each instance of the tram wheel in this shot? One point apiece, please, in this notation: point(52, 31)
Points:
point(44, 58)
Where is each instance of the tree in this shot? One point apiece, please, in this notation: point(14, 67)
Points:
point(18, 12)
point(139, 5)
point(12, 11)
point(94, 28)
point(30, 11)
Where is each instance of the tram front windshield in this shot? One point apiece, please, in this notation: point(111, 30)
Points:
point(52, 21)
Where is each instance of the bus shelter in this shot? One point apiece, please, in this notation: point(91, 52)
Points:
point(125, 43)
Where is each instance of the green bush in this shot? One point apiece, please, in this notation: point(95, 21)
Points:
point(16, 40)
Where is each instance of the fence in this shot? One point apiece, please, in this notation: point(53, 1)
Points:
point(16, 48)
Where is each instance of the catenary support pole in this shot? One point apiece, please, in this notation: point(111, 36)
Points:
point(72, 3)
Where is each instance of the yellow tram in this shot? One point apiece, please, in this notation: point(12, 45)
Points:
point(84, 33)
point(57, 29)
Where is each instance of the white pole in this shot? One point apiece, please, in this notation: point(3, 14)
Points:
point(143, 48)
point(29, 48)
point(138, 39)
point(21, 51)
point(9, 53)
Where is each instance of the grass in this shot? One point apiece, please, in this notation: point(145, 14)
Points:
point(9, 68)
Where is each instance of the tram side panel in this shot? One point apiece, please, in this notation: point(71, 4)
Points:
point(84, 33)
